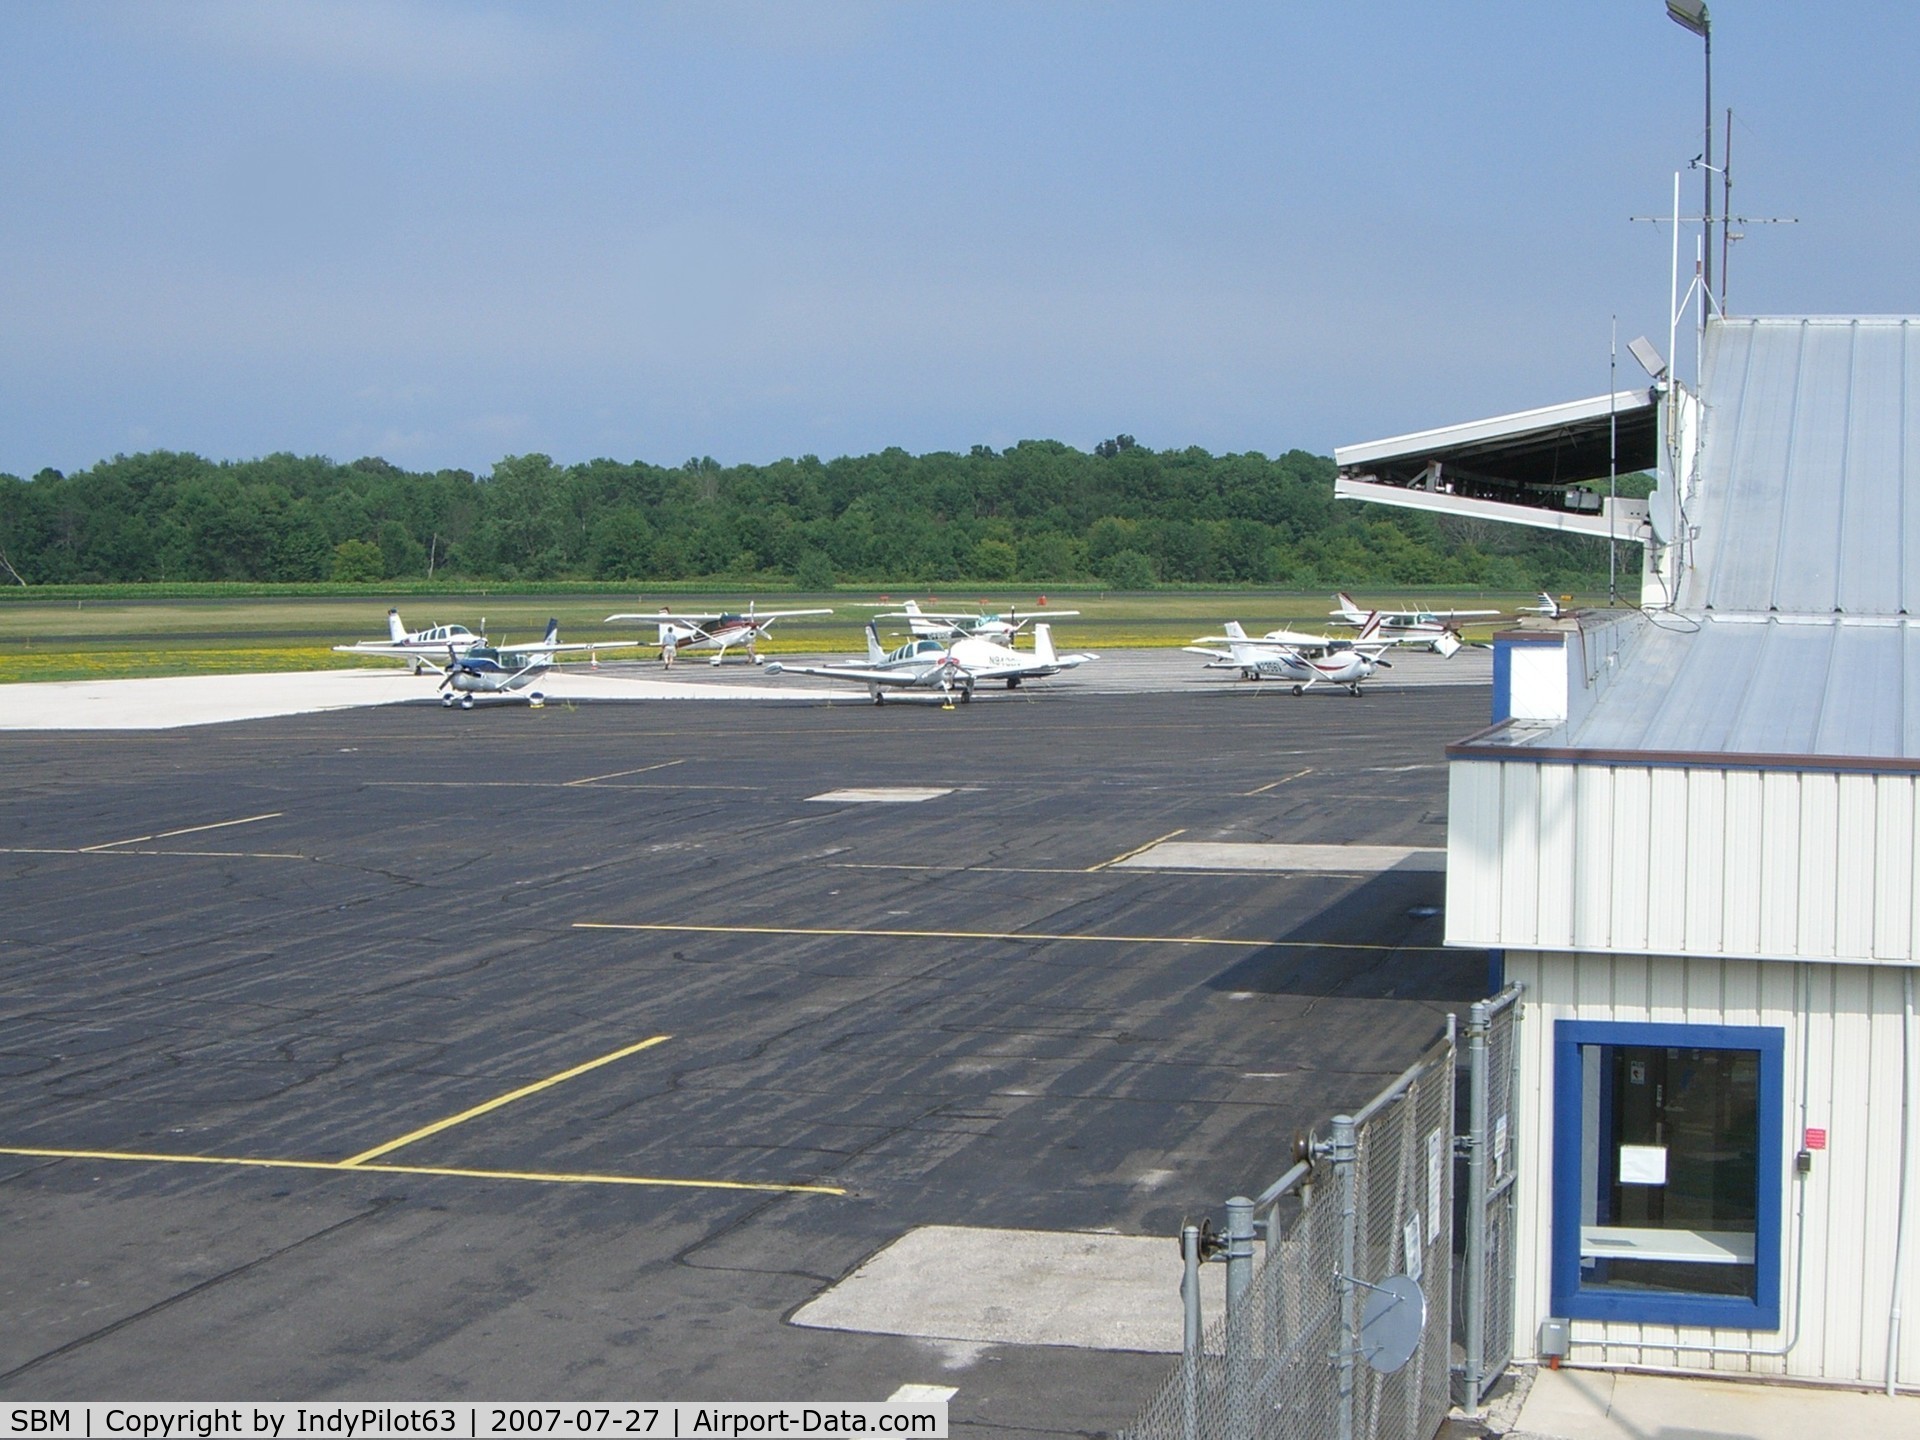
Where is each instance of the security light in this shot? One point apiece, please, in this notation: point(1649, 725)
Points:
point(1690, 15)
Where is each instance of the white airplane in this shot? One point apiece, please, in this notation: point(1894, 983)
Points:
point(719, 632)
point(416, 645)
point(1548, 607)
point(926, 664)
point(958, 625)
point(1270, 659)
point(1431, 628)
point(487, 670)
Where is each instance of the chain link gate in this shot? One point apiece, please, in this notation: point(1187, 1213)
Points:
point(1487, 1279)
point(1313, 1330)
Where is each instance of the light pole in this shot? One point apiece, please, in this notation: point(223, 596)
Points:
point(1692, 15)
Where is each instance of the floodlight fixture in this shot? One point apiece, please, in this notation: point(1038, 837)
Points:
point(1649, 358)
point(1690, 15)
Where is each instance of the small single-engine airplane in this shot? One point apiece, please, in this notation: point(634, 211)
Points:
point(1431, 628)
point(1548, 607)
point(487, 670)
point(719, 632)
point(419, 646)
point(926, 664)
point(1270, 659)
point(958, 625)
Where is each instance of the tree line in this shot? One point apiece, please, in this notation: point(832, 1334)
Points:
point(1123, 514)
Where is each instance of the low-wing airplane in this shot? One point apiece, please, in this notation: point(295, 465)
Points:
point(419, 646)
point(926, 664)
point(1270, 659)
point(958, 625)
point(1548, 607)
point(720, 632)
point(490, 670)
point(1432, 628)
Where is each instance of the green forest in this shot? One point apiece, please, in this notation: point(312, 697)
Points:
point(1122, 515)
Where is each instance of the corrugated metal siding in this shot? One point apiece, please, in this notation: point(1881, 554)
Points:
point(1844, 1052)
point(1807, 442)
point(1776, 864)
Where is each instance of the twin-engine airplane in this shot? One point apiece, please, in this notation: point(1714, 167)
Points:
point(487, 670)
point(1431, 628)
point(419, 646)
point(926, 664)
point(959, 625)
point(1271, 659)
point(719, 633)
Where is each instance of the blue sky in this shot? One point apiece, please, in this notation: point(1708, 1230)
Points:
point(448, 232)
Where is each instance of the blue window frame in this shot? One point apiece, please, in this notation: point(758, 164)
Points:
point(1667, 1173)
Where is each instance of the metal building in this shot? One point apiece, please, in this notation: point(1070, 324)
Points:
point(1694, 832)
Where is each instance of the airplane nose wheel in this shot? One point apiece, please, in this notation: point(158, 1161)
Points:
point(1353, 689)
point(466, 702)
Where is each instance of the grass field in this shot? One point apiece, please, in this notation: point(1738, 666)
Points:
point(111, 638)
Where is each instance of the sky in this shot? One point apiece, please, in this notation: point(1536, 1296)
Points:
point(445, 233)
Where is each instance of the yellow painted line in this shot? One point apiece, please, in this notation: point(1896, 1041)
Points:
point(1137, 850)
point(507, 1099)
point(539, 1177)
point(1281, 781)
point(189, 830)
point(1015, 935)
point(615, 775)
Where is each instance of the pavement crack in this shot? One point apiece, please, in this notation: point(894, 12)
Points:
point(160, 1306)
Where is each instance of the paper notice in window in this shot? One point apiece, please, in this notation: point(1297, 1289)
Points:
point(1643, 1164)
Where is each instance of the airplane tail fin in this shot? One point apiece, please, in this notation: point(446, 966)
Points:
point(1234, 630)
point(1043, 644)
point(394, 627)
point(552, 637)
point(1370, 625)
point(874, 653)
point(1349, 608)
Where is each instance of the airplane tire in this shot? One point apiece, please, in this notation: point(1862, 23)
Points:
point(466, 702)
point(446, 701)
point(966, 694)
point(1299, 689)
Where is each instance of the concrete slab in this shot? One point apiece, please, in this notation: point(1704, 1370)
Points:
point(1605, 1405)
point(174, 702)
point(880, 795)
point(1340, 859)
point(1019, 1287)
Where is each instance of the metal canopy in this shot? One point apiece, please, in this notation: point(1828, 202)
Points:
point(1555, 445)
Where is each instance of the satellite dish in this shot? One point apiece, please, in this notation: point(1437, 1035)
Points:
point(1391, 1323)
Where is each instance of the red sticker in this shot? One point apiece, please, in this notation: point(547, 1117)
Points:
point(1816, 1139)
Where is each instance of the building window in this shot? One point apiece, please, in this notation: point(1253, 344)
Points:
point(1667, 1174)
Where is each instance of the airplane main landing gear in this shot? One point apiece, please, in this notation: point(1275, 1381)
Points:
point(446, 701)
point(1299, 689)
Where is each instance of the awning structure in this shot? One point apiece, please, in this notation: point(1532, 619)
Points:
point(1524, 468)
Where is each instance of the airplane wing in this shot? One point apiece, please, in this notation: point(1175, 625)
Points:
point(420, 654)
point(900, 677)
point(1462, 614)
point(666, 617)
point(782, 614)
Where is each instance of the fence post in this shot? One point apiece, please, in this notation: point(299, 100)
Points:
point(1240, 1329)
point(1343, 1153)
point(1474, 1283)
point(1190, 1342)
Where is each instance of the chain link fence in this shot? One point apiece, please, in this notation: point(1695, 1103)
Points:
point(1323, 1336)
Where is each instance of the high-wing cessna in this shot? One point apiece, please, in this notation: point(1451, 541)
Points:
point(490, 670)
point(1431, 628)
point(926, 664)
point(719, 633)
point(958, 625)
point(1271, 659)
point(422, 647)
point(1548, 607)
